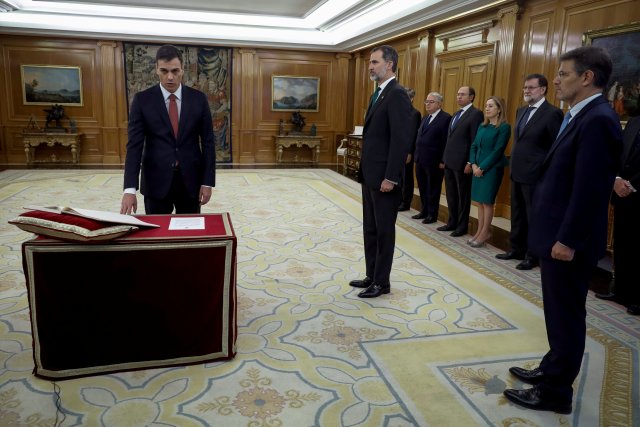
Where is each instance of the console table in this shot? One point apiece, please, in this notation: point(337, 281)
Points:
point(32, 140)
point(354, 147)
point(286, 141)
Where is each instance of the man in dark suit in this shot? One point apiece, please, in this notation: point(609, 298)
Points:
point(407, 187)
point(430, 143)
point(536, 128)
point(569, 223)
point(171, 138)
point(386, 141)
point(626, 232)
point(457, 169)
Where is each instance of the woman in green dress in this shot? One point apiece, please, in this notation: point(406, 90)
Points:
point(487, 161)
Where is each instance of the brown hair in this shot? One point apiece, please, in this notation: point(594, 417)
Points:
point(502, 106)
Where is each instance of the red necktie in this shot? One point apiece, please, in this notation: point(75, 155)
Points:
point(173, 113)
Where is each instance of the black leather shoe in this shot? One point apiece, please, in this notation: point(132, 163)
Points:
point(511, 255)
point(633, 309)
point(609, 296)
point(533, 398)
point(458, 233)
point(364, 283)
point(374, 290)
point(529, 376)
point(445, 228)
point(527, 264)
point(429, 220)
point(418, 216)
point(403, 207)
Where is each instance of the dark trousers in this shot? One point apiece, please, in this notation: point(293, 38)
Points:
point(379, 213)
point(407, 184)
point(564, 293)
point(626, 235)
point(458, 185)
point(430, 186)
point(178, 197)
point(521, 196)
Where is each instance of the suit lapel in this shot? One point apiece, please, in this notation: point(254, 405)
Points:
point(380, 100)
point(569, 129)
point(185, 111)
point(461, 118)
point(628, 142)
point(161, 107)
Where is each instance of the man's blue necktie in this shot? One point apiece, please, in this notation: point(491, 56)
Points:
point(525, 119)
point(565, 122)
point(455, 118)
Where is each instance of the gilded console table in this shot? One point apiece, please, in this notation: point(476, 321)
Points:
point(286, 141)
point(32, 140)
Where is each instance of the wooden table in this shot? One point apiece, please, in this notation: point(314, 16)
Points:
point(286, 141)
point(32, 140)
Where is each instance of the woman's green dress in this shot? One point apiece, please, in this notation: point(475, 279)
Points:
point(487, 151)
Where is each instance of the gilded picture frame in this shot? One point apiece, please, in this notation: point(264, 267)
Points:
point(295, 93)
point(622, 42)
point(51, 84)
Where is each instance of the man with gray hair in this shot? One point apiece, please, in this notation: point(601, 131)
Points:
point(430, 143)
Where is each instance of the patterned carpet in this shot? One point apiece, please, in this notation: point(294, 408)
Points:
point(434, 352)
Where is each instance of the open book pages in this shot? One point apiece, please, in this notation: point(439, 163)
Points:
point(104, 216)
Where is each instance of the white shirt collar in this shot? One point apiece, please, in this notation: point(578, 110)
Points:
point(575, 110)
point(166, 93)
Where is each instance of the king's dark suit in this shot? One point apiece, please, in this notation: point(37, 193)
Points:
point(531, 144)
point(570, 206)
point(456, 156)
point(430, 144)
point(153, 146)
point(626, 232)
point(386, 140)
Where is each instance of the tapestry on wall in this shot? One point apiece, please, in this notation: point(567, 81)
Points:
point(207, 69)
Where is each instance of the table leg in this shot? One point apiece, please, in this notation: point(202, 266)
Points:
point(279, 150)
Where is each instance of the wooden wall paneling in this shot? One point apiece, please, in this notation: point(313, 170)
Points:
point(121, 104)
point(448, 77)
point(110, 114)
point(362, 88)
point(245, 105)
point(338, 102)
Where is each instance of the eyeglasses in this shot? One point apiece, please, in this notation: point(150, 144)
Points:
point(530, 87)
point(429, 101)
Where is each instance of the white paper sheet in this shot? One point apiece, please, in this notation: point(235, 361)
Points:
point(191, 223)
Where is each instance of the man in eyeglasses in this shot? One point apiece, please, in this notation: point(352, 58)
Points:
point(535, 129)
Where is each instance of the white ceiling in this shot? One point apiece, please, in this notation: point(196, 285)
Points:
point(333, 25)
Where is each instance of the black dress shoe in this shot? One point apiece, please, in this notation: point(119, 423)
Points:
point(374, 290)
point(609, 296)
point(533, 398)
point(527, 264)
point(418, 216)
point(364, 283)
point(403, 207)
point(511, 255)
point(429, 220)
point(529, 376)
point(458, 233)
point(633, 309)
point(445, 228)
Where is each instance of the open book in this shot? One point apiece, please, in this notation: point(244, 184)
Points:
point(104, 216)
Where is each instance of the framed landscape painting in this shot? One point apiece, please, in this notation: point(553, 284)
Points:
point(622, 42)
point(49, 84)
point(291, 93)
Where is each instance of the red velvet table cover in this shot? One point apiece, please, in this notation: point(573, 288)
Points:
point(156, 297)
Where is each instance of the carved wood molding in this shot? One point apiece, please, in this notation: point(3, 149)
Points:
point(481, 28)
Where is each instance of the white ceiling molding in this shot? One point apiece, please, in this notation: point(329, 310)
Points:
point(333, 25)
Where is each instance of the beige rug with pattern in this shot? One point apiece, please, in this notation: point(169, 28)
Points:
point(434, 352)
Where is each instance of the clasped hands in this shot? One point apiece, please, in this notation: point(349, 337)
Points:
point(476, 170)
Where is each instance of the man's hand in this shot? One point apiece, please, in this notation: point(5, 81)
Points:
point(467, 168)
point(562, 252)
point(386, 186)
point(129, 204)
point(205, 195)
point(441, 165)
point(622, 187)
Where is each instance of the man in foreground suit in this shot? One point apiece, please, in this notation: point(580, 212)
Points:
point(386, 142)
point(457, 169)
point(569, 223)
point(171, 137)
point(430, 143)
point(626, 212)
point(536, 128)
point(408, 187)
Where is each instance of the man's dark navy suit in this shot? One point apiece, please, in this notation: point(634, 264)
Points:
point(386, 141)
point(153, 146)
point(570, 206)
point(430, 144)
